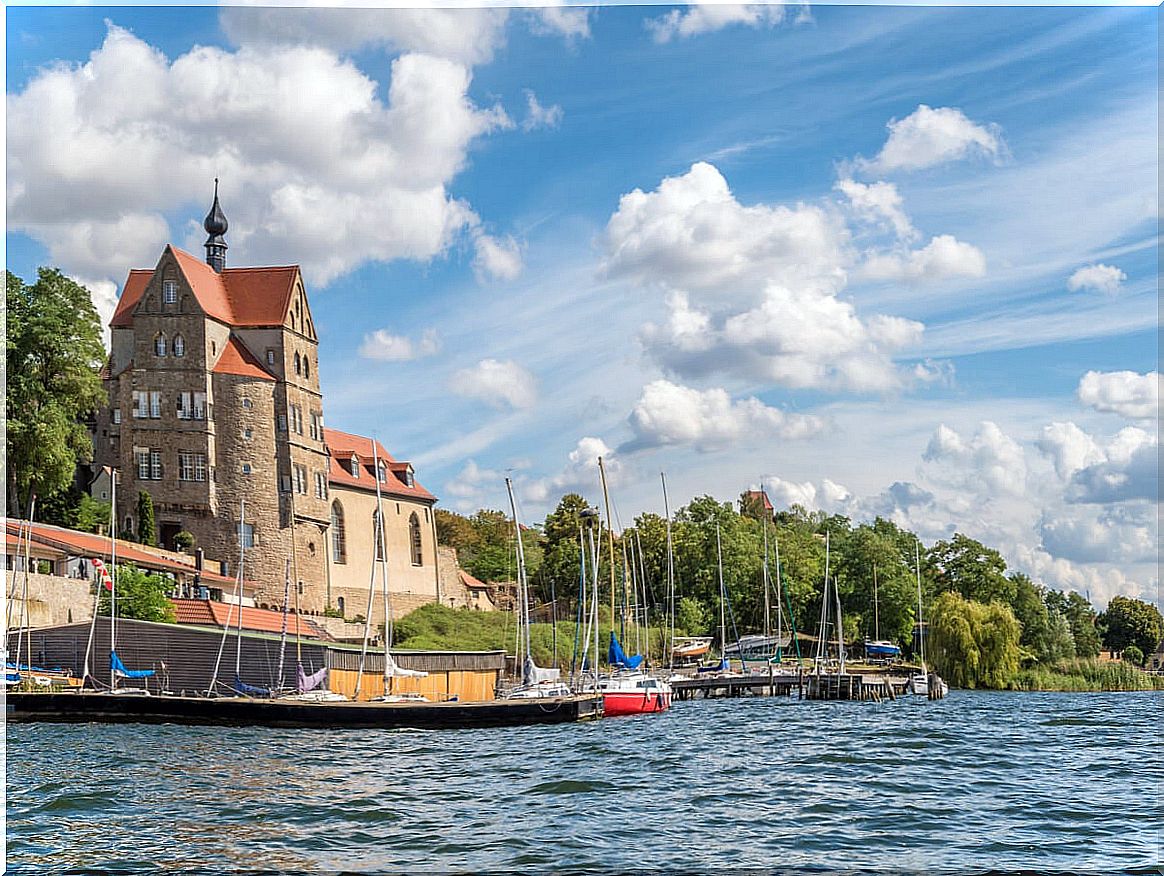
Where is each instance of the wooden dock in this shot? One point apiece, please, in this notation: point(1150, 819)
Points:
point(804, 686)
point(90, 707)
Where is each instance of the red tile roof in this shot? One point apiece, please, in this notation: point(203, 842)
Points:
point(341, 446)
point(471, 582)
point(206, 613)
point(86, 544)
point(237, 359)
point(243, 297)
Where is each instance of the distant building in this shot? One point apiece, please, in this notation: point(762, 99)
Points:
point(215, 410)
point(756, 499)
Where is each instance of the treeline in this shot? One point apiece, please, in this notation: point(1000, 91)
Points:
point(986, 623)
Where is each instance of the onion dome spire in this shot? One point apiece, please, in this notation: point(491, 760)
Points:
point(215, 224)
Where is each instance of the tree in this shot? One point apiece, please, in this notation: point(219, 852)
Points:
point(1133, 655)
point(140, 596)
point(973, 645)
point(970, 569)
point(53, 356)
point(865, 552)
point(146, 531)
point(1132, 622)
point(1046, 632)
point(1080, 617)
point(74, 509)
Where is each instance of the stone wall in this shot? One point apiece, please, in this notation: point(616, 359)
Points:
point(52, 600)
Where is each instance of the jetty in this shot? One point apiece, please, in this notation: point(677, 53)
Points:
point(860, 686)
point(126, 708)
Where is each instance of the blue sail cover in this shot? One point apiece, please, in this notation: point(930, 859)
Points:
point(121, 672)
point(249, 690)
point(615, 656)
point(722, 666)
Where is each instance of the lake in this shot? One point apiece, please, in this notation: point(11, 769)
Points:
point(977, 781)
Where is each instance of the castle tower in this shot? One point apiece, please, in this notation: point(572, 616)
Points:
point(216, 225)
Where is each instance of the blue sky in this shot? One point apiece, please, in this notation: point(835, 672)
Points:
point(830, 248)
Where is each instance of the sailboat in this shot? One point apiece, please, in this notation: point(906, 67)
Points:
point(627, 689)
point(536, 682)
point(920, 683)
point(879, 649)
point(108, 580)
point(768, 647)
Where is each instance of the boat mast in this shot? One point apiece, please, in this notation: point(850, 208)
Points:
point(722, 618)
point(381, 560)
point(283, 631)
point(25, 614)
point(242, 554)
point(670, 571)
point(779, 600)
point(840, 625)
point(824, 611)
point(876, 615)
point(645, 603)
point(112, 588)
point(610, 534)
point(523, 589)
point(921, 630)
point(767, 606)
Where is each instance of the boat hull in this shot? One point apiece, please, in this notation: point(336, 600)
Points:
point(243, 711)
point(615, 703)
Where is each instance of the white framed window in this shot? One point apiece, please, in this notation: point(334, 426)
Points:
point(179, 346)
point(155, 464)
point(160, 345)
point(408, 479)
point(169, 291)
point(354, 466)
point(247, 534)
point(270, 357)
point(185, 466)
point(199, 467)
point(199, 406)
point(320, 485)
point(300, 479)
point(382, 473)
point(141, 456)
point(155, 405)
point(141, 404)
point(116, 416)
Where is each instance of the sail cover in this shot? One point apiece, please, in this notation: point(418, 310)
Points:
point(615, 656)
point(391, 670)
point(531, 673)
point(249, 690)
point(305, 682)
point(121, 672)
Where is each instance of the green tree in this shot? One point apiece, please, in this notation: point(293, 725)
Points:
point(866, 552)
point(1133, 655)
point(973, 645)
point(74, 509)
point(1132, 622)
point(970, 569)
point(146, 530)
point(52, 359)
point(140, 596)
point(1046, 633)
point(692, 617)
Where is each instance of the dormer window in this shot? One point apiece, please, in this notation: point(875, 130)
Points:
point(408, 479)
point(169, 291)
point(160, 345)
point(354, 462)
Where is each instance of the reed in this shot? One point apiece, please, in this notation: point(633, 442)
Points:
point(1085, 675)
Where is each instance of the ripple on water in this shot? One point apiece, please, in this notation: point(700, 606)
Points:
point(977, 781)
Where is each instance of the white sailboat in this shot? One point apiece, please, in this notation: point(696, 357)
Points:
point(920, 683)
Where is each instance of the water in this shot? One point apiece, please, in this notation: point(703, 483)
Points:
point(975, 782)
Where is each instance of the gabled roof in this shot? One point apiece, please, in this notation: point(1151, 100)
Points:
point(341, 446)
point(471, 582)
point(207, 613)
point(237, 359)
point(242, 297)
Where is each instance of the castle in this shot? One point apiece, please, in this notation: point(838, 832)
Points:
point(215, 410)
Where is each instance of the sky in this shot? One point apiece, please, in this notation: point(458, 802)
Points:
point(893, 261)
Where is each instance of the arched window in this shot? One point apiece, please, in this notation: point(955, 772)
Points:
point(297, 363)
point(179, 346)
point(306, 367)
point(377, 535)
point(339, 604)
point(414, 539)
point(338, 548)
point(160, 344)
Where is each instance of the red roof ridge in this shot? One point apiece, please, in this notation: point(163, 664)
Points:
point(237, 359)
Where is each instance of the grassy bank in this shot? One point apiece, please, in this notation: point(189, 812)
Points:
point(437, 627)
point(1086, 675)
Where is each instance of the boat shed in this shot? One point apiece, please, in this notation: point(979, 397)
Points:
point(184, 657)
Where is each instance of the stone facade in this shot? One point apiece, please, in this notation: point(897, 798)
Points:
point(215, 410)
point(52, 600)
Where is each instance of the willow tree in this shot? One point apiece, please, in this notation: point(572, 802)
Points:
point(973, 645)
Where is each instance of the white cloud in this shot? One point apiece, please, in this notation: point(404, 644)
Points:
point(1092, 535)
point(467, 35)
point(1098, 278)
point(785, 494)
point(499, 384)
point(928, 137)
point(580, 473)
point(668, 414)
point(1069, 447)
point(538, 116)
point(752, 290)
point(694, 20)
point(570, 22)
point(1131, 395)
point(878, 202)
point(497, 258)
point(987, 464)
point(942, 258)
point(315, 167)
point(387, 347)
point(1130, 471)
